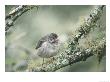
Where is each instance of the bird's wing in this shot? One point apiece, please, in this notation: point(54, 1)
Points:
point(41, 41)
point(39, 44)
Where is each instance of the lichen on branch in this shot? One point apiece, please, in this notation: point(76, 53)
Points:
point(63, 59)
point(74, 54)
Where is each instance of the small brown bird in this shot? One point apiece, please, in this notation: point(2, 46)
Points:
point(47, 46)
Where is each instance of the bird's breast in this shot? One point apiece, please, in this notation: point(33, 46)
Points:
point(47, 50)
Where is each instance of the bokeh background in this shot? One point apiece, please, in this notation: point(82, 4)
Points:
point(21, 40)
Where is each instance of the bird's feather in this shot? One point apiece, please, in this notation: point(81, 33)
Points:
point(41, 41)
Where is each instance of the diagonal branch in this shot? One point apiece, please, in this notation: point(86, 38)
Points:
point(85, 29)
point(72, 54)
point(15, 14)
point(65, 60)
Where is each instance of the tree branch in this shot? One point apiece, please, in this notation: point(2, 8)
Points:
point(74, 54)
point(63, 59)
point(85, 28)
point(15, 14)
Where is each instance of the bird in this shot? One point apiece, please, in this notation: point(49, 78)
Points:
point(48, 46)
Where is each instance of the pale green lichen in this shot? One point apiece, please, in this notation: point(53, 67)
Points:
point(65, 61)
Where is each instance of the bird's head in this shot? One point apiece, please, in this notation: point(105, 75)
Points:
point(53, 38)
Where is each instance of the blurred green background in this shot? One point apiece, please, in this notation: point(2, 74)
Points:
point(21, 40)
